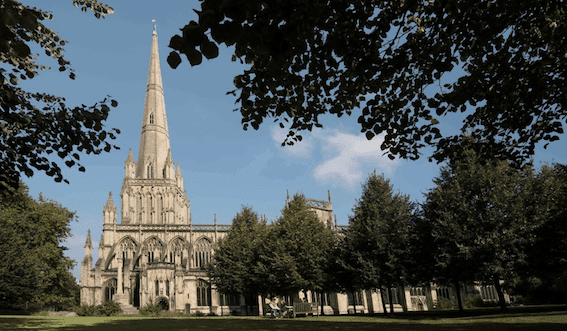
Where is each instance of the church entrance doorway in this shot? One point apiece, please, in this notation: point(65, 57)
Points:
point(136, 292)
point(163, 303)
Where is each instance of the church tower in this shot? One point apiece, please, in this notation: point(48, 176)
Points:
point(152, 191)
point(153, 253)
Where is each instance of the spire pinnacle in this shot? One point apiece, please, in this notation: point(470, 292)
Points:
point(169, 159)
point(88, 242)
point(101, 242)
point(155, 26)
point(110, 201)
point(130, 158)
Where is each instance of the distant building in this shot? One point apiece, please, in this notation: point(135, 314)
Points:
point(156, 255)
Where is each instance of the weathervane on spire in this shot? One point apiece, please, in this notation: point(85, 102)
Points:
point(154, 22)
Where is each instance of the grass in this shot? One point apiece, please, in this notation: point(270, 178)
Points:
point(517, 319)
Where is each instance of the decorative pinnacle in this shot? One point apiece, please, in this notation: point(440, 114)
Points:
point(88, 242)
point(155, 25)
point(110, 201)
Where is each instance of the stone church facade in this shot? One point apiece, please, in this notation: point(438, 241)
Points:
point(156, 255)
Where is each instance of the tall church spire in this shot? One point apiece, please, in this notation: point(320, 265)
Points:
point(152, 192)
point(154, 141)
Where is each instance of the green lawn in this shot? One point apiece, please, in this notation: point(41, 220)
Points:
point(540, 319)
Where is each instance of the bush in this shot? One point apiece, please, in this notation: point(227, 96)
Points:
point(445, 304)
point(86, 310)
point(472, 301)
point(109, 308)
point(469, 301)
point(151, 309)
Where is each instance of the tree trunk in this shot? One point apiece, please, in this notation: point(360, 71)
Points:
point(500, 293)
point(391, 301)
point(459, 300)
point(429, 297)
point(383, 301)
point(402, 295)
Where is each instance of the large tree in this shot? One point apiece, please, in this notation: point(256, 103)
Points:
point(33, 269)
point(479, 227)
point(543, 278)
point(296, 252)
point(406, 64)
point(376, 244)
point(233, 270)
point(35, 125)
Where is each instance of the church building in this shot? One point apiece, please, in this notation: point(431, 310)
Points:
point(156, 255)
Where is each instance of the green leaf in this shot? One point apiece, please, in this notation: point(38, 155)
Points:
point(28, 172)
point(210, 50)
point(173, 59)
point(194, 57)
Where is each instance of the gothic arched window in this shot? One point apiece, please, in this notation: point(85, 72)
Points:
point(153, 247)
point(151, 118)
point(110, 290)
point(159, 210)
point(203, 253)
point(149, 210)
point(149, 170)
point(139, 207)
point(203, 293)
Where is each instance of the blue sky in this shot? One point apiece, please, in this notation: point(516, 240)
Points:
point(223, 166)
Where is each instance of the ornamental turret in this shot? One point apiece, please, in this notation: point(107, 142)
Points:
point(87, 263)
point(109, 211)
point(179, 177)
point(130, 166)
point(169, 171)
point(88, 245)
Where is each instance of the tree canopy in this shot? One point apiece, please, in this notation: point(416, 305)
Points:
point(405, 64)
point(543, 278)
point(376, 243)
point(296, 252)
point(233, 270)
point(477, 215)
point(33, 267)
point(34, 125)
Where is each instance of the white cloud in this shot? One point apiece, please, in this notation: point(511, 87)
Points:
point(300, 149)
point(348, 158)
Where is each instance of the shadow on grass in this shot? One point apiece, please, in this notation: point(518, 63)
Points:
point(245, 324)
point(483, 313)
point(516, 319)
